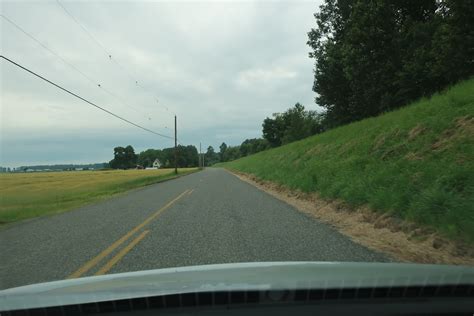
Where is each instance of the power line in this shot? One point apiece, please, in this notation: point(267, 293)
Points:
point(48, 49)
point(119, 99)
point(83, 99)
point(107, 52)
point(85, 30)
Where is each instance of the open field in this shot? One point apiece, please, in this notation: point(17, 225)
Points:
point(416, 163)
point(27, 195)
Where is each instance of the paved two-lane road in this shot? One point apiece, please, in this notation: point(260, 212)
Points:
point(206, 217)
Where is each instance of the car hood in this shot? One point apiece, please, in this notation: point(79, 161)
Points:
point(231, 277)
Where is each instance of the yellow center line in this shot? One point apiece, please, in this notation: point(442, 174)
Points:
point(94, 261)
point(121, 254)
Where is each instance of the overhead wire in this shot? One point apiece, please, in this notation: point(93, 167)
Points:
point(85, 30)
point(110, 56)
point(83, 99)
point(107, 52)
point(94, 82)
point(47, 48)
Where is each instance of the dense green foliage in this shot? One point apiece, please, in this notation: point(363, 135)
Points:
point(291, 125)
point(416, 163)
point(124, 158)
point(187, 157)
point(211, 157)
point(229, 153)
point(252, 146)
point(375, 56)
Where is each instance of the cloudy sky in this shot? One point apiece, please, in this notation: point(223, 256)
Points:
point(221, 67)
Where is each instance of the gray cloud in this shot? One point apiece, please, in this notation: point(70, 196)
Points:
point(222, 67)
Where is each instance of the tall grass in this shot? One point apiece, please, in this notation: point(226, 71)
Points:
point(416, 163)
point(27, 195)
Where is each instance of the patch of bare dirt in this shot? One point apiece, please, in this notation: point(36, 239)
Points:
point(347, 147)
point(315, 150)
point(464, 126)
point(404, 241)
point(414, 132)
point(381, 139)
point(379, 142)
point(413, 156)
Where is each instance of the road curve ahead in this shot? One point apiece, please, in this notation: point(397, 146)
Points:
point(203, 218)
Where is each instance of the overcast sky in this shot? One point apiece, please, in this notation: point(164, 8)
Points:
point(222, 67)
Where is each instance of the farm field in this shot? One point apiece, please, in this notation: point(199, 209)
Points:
point(27, 195)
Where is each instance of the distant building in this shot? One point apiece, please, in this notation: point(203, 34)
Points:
point(156, 164)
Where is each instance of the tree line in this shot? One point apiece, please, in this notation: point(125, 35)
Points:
point(126, 158)
point(294, 124)
point(188, 156)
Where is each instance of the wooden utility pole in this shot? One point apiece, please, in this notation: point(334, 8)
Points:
point(175, 146)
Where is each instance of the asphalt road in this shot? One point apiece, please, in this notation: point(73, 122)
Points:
point(206, 217)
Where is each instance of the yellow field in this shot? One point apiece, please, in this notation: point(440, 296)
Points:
point(26, 195)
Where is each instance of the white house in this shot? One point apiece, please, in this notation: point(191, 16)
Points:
point(156, 164)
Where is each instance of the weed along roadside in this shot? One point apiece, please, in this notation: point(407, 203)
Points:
point(402, 240)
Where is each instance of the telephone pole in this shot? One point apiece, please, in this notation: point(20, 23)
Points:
point(200, 156)
point(175, 146)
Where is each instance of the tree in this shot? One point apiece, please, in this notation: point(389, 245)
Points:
point(223, 148)
point(375, 56)
point(211, 157)
point(273, 129)
point(130, 157)
point(187, 157)
point(231, 153)
point(147, 157)
point(293, 124)
point(252, 146)
point(124, 158)
point(453, 43)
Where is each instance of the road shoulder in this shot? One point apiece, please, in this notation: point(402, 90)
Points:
point(399, 239)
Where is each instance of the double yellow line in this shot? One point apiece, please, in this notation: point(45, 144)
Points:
point(94, 261)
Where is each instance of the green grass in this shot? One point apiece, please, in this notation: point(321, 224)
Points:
point(416, 163)
point(27, 195)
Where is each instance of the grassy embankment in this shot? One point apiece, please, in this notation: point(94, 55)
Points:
point(27, 195)
point(416, 163)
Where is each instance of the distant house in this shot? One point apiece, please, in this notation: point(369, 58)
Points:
point(156, 164)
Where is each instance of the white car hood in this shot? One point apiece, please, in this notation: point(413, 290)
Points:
point(231, 277)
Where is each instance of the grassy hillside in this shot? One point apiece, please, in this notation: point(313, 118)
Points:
point(417, 163)
point(27, 195)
